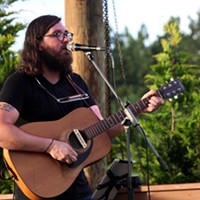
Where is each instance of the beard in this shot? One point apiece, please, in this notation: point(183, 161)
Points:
point(57, 61)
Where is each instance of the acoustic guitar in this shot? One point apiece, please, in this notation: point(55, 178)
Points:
point(39, 176)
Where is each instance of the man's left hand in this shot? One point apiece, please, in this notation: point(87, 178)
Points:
point(155, 101)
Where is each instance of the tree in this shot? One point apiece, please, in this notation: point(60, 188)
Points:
point(173, 129)
point(8, 33)
point(8, 58)
point(89, 23)
point(136, 59)
point(176, 136)
point(192, 41)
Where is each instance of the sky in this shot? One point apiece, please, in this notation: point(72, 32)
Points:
point(129, 13)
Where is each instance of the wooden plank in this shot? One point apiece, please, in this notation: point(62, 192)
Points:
point(6, 197)
point(167, 187)
point(186, 191)
point(176, 195)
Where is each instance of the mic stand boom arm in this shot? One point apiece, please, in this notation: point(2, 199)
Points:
point(130, 119)
point(128, 113)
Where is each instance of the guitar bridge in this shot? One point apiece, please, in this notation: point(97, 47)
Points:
point(80, 138)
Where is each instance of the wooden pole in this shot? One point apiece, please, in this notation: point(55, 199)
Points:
point(84, 19)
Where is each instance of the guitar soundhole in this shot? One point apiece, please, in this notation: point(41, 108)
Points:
point(74, 142)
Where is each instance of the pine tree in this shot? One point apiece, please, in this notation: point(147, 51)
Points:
point(174, 129)
point(8, 33)
point(8, 59)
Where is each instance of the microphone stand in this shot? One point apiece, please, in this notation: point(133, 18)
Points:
point(129, 119)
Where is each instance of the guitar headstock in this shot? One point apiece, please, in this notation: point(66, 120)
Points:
point(171, 89)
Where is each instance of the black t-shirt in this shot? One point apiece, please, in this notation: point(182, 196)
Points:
point(34, 103)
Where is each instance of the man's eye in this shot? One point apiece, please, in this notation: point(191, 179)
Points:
point(57, 33)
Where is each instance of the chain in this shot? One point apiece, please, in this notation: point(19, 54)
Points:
point(107, 53)
point(119, 49)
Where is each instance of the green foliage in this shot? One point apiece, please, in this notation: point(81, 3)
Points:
point(177, 133)
point(174, 137)
point(8, 60)
point(174, 129)
point(134, 66)
point(6, 185)
point(8, 33)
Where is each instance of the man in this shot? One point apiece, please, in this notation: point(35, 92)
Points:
point(37, 91)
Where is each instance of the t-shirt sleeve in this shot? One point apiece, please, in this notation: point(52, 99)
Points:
point(14, 90)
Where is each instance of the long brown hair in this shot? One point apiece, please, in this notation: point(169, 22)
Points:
point(30, 61)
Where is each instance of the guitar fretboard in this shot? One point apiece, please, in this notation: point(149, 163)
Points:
point(114, 119)
point(167, 91)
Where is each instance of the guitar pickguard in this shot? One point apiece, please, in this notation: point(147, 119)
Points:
point(81, 156)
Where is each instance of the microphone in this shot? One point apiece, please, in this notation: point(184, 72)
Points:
point(82, 47)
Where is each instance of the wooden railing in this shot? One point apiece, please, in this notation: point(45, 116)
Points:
point(6, 197)
point(189, 191)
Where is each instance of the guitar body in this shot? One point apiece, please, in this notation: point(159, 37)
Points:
point(40, 176)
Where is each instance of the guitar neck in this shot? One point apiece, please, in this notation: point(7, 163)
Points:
point(115, 119)
point(167, 91)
